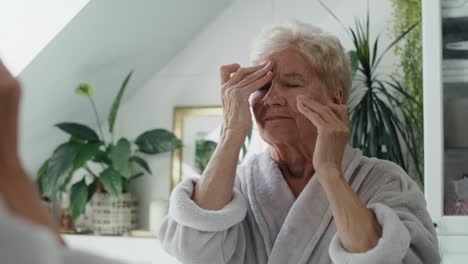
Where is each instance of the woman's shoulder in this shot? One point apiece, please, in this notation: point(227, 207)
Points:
point(389, 184)
point(386, 167)
point(253, 161)
point(388, 173)
point(251, 166)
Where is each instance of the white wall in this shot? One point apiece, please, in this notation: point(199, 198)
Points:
point(99, 46)
point(191, 77)
point(26, 27)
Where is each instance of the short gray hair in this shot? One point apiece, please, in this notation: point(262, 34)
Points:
point(322, 50)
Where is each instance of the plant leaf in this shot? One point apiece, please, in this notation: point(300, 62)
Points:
point(86, 153)
point(354, 61)
point(92, 189)
point(102, 157)
point(41, 173)
point(78, 199)
point(367, 21)
point(140, 161)
point(120, 157)
point(60, 165)
point(112, 181)
point(402, 35)
point(333, 15)
point(157, 141)
point(84, 90)
point(116, 104)
point(79, 131)
point(380, 110)
point(204, 149)
point(135, 176)
point(375, 49)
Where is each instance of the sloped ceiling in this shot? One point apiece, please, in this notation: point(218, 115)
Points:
point(106, 40)
point(25, 30)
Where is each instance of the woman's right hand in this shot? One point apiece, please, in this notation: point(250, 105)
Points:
point(214, 190)
point(235, 93)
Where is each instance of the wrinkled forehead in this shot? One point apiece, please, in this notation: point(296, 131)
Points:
point(290, 63)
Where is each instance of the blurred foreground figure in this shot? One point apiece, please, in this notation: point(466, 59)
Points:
point(27, 233)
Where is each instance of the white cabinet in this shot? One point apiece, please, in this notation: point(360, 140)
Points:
point(445, 57)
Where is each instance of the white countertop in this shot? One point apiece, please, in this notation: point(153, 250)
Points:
point(127, 249)
point(149, 251)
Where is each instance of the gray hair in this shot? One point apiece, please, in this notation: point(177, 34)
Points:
point(322, 50)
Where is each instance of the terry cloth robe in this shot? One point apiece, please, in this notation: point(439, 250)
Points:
point(265, 223)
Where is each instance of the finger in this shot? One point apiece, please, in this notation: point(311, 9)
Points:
point(256, 75)
point(324, 111)
point(241, 73)
point(341, 111)
point(256, 85)
point(225, 71)
point(314, 117)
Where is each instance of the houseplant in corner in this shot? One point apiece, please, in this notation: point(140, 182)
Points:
point(99, 168)
point(382, 122)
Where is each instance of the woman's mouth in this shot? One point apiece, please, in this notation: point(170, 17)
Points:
point(274, 118)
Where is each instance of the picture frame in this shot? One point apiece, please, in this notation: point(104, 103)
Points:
point(200, 129)
point(185, 118)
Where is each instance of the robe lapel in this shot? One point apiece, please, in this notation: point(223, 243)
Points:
point(309, 216)
point(270, 198)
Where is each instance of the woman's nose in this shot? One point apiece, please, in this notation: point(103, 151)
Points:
point(274, 97)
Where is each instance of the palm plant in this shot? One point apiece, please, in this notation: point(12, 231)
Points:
point(382, 123)
point(113, 161)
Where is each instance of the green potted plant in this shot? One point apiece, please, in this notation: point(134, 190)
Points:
point(382, 123)
point(107, 164)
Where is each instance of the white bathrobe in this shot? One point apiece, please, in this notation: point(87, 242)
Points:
point(265, 223)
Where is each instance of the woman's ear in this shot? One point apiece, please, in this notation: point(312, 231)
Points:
point(338, 96)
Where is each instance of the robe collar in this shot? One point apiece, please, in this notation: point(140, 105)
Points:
point(292, 227)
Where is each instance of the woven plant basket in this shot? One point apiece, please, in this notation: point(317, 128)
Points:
point(113, 215)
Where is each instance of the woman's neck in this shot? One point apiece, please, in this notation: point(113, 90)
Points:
point(295, 162)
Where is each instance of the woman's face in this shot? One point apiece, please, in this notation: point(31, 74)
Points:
point(275, 107)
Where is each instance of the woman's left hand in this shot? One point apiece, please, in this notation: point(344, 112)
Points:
point(331, 121)
point(357, 226)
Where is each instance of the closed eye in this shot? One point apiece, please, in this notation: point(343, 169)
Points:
point(293, 85)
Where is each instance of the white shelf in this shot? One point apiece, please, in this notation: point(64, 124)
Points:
point(456, 225)
point(127, 249)
point(453, 249)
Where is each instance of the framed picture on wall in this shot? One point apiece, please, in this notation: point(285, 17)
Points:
point(200, 129)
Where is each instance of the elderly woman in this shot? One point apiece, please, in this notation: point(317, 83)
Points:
point(310, 198)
